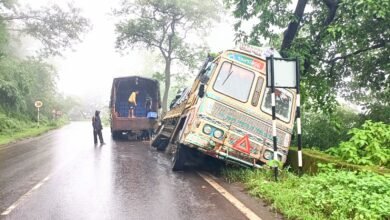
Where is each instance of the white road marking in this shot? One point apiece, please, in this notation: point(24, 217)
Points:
point(233, 200)
point(24, 197)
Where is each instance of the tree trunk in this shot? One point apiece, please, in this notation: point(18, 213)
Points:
point(167, 73)
point(292, 29)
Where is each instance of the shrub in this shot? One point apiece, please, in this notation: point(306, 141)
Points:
point(369, 145)
point(332, 194)
point(9, 124)
point(324, 131)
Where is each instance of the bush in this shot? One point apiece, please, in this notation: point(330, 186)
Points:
point(369, 145)
point(9, 124)
point(327, 130)
point(332, 194)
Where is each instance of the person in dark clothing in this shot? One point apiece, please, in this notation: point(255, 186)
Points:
point(148, 105)
point(97, 128)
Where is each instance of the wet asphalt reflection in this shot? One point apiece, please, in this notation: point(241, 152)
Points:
point(118, 180)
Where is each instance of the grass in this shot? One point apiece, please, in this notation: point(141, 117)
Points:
point(331, 194)
point(32, 130)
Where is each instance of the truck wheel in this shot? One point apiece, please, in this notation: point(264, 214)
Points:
point(179, 158)
point(163, 144)
point(115, 135)
point(156, 141)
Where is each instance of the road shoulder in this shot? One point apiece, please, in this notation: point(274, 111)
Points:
point(256, 205)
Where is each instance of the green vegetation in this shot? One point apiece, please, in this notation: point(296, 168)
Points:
point(352, 184)
point(26, 78)
point(55, 28)
point(332, 194)
point(313, 158)
point(12, 129)
point(369, 145)
point(325, 130)
point(343, 46)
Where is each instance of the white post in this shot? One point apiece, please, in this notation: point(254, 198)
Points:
point(38, 117)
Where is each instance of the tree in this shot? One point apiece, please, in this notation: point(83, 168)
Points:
point(22, 82)
point(164, 25)
point(54, 27)
point(25, 80)
point(329, 130)
point(344, 44)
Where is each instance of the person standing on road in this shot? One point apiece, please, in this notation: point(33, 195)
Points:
point(97, 127)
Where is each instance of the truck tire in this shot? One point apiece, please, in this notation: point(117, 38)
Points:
point(156, 141)
point(162, 144)
point(179, 158)
point(116, 135)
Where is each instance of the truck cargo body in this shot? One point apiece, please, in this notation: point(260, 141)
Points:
point(145, 118)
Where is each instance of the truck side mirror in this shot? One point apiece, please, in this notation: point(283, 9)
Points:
point(201, 91)
point(204, 79)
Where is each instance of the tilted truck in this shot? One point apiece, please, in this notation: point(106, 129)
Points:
point(226, 113)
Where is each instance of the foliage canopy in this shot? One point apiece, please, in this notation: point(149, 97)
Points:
point(166, 26)
point(55, 27)
point(344, 45)
point(328, 130)
point(25, 80)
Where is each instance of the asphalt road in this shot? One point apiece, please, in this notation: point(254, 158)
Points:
point(63, 175)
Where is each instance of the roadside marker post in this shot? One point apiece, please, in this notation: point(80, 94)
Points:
point(298, 117)
point(38, 104)
point(274, 136)
point(285, 74)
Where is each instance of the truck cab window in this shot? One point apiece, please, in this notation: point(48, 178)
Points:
point(283, 103)
point(234, 81)
point(256, 94)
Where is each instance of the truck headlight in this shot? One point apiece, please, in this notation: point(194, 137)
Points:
point(218, 134)
point(207, 129)
point(268, 155)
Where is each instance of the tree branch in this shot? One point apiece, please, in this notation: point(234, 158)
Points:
point(170, 37)
point(15, 29)
point(373, 47)
point(163, 51)
point(21, 17)
point(292, 29)
point(332, 9)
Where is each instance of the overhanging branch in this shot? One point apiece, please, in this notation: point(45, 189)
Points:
point(376, 46)
point(292, 29)
point(20, 17)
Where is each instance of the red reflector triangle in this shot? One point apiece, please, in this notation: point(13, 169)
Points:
point(243, 145)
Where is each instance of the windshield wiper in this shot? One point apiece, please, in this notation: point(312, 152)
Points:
point(230, 73)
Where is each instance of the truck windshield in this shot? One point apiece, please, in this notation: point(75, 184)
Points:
point(234, 81)
point(283, 104)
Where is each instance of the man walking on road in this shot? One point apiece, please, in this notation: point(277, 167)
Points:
point(97, 127)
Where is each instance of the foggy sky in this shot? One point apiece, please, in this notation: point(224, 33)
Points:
point(92, 64)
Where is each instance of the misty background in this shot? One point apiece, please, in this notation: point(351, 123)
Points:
point(86, 70)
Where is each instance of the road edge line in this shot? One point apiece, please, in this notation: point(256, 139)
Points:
point(233, 200)
point(24, 197)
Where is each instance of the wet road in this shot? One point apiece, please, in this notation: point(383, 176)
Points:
point(62, 175)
